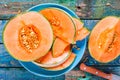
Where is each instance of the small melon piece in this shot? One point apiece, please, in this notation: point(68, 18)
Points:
point(81, 32)
point(66, 64)
point(58, 47)
point(62, 24)
point(49, 61)
point(28, 36)
point(104, 42)
point(78, 24)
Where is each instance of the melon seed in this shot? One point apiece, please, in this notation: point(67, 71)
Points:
point(29, 37)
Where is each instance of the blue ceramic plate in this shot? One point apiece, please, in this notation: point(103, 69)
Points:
point(37, 70)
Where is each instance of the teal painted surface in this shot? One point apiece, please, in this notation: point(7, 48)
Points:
point(22, 74)
point(97, 9)
point(9, 8)
point(6, 60)
point(86, 9)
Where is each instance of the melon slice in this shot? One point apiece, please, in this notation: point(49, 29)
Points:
point(78, 23)
point(28, 36)
point(62, 24)
point(58, 47)
point(104, 42)
point(81, 32)
point(49, 61)
point(66, 64)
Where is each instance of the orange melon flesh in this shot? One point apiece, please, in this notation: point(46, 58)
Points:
point(66, 64)
point(49, 61)
point(81, 32)
point(104, 40)
point(62, 24)
point(117, 31)
point(14, 40)
point(58, 47)
point(78, 24)
point(117, 28)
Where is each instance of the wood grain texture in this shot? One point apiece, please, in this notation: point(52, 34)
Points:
point(97, 9)
point(6, 60)
point(86, 9)
point(22, 74)
point(9, 8)
point(80, 75)
point(2, 25)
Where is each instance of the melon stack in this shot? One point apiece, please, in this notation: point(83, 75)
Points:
point(44, 37)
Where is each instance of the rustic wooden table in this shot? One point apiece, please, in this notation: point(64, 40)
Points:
point(90, 12)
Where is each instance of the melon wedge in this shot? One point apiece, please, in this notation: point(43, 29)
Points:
point(66, 64)
point(104, 42)
point(62, 23)
point(78, 23)
point(28, 36)
point(58, 47)
point(81, 32)
point(49, 61)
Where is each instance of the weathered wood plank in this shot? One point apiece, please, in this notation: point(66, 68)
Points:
point(2, 24)
point(85, 9)
point(97, 9)
point(77, 74)
point(9, 8)
point(22, 74)
point(6, 60)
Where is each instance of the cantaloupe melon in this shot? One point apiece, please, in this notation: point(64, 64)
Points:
point(49, 61)
point(28, 36)
point(81, 31)
point(104, 42)
point(66, 64)
point(58, 47)
point(62, 23)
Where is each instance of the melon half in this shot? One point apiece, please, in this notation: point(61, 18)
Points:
point(28, 36)
point(104, 42)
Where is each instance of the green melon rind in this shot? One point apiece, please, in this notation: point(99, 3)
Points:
point(89, 47)
point(53, 47)
point(4, 30)
point(69, 17)
point(52, 65)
